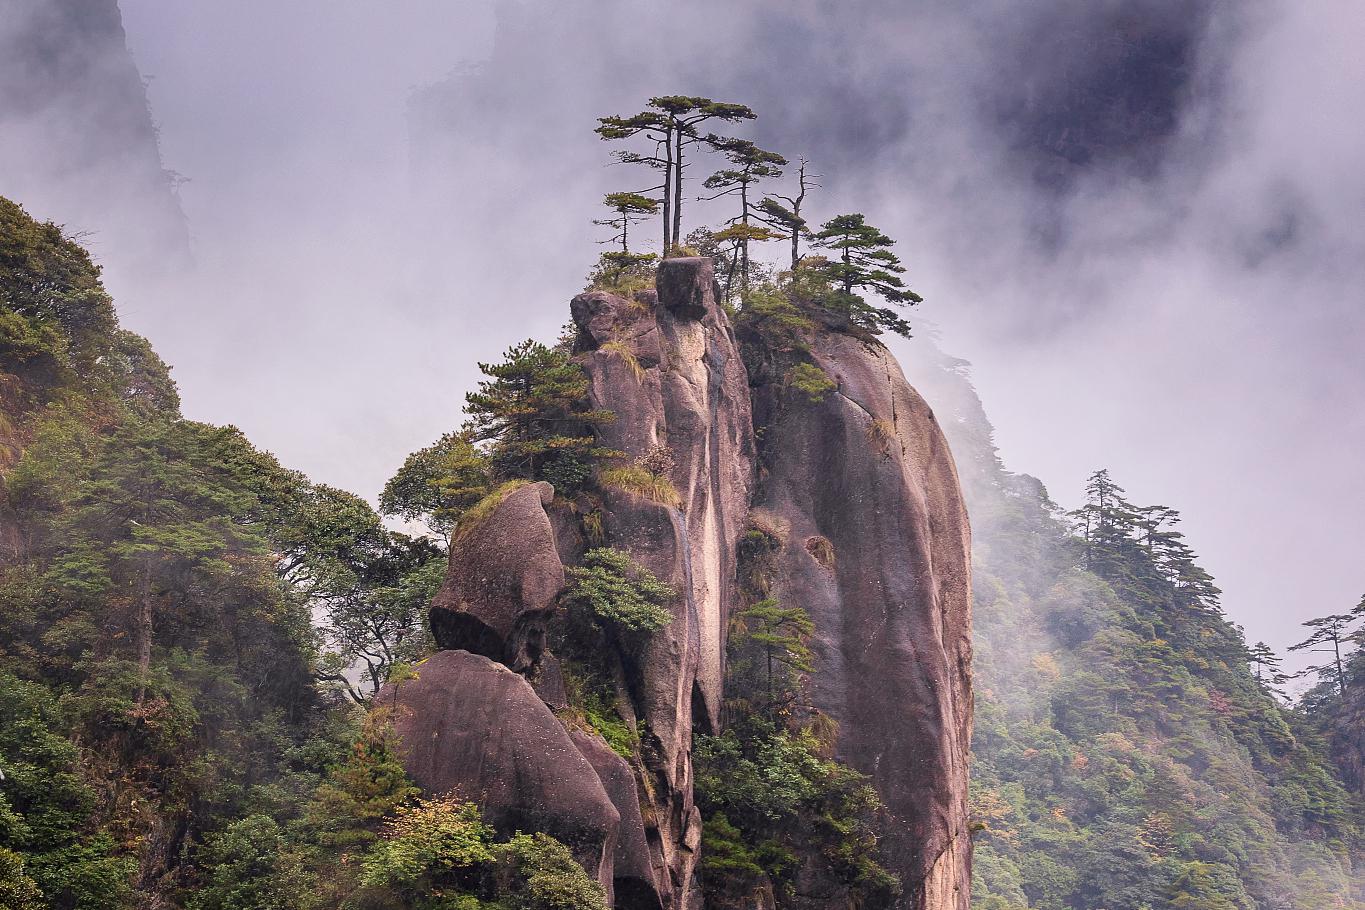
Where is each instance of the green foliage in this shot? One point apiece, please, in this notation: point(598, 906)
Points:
point(366, 787)
point(438, 853)
point(438, 484)
point(623, 273)
point(769, 655)
point(426, 846)
point(531, 413)
point(773, 785)
point(537, 872)
point(50, 291)
point(809, 380)
point(775, 801)
point(244, 868)
point(628, 209)
point(618, 593)
point(17, 890)
point(728, 864)
point(862, 259)
point(47, 807)
point(769, 311)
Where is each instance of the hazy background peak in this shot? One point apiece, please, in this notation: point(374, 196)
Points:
point(1141, 220)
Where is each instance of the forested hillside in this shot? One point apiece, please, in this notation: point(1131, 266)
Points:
point(1129, 750)
point(176, 729)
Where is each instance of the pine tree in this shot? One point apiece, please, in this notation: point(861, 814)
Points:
point(671, 123)
point(748, 165)
point(863, 260)
point(1106, 522)
point(630, 208)
point(1332, 635)
point(615, 265)
point(531, 412)
point(781, 634)
point(152, 533)
point(1265, 666)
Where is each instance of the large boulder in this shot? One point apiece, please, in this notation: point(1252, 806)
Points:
point(862, 507)
point(472, 727)
point(505, 574)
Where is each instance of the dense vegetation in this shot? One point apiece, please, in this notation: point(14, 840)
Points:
point(188, 629)
point(1129, 750)
point(780, 812)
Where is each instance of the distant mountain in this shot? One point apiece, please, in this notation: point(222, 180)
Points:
point(77, 140)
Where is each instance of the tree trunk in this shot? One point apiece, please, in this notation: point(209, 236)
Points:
point(1341, 676)
point(144, 629)
point(744, 241)
point(668, 183)
point(677, 192)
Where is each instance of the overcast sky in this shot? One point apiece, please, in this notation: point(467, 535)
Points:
point(1143, 222)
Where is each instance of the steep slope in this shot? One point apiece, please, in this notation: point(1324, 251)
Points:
point(154, 671)
point(861, 496)
point(1125, 755)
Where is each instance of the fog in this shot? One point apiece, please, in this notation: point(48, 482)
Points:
point(1143, 222)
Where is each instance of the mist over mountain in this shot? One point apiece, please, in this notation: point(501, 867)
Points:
point(700, 632)
point(77, 138)
point(1141, 194)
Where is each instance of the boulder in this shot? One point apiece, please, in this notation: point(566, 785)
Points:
point(504, 576)
point(472, 727)
point(636, 878)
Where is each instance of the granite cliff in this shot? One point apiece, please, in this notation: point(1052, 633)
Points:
point(846, 503)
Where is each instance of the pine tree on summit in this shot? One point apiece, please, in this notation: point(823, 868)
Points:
point(863, 261)
point(630, 208)
point(615, 266)
point(672, 123)
point(748, 165)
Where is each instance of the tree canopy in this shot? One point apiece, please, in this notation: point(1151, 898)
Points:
point(531, 411)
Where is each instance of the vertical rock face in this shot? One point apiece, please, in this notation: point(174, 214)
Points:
point(668, 366)
point(862, 499)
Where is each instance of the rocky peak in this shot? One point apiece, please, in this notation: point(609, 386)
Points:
point(860, 495)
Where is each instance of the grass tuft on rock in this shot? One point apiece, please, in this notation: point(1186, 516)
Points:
point(638, 481)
